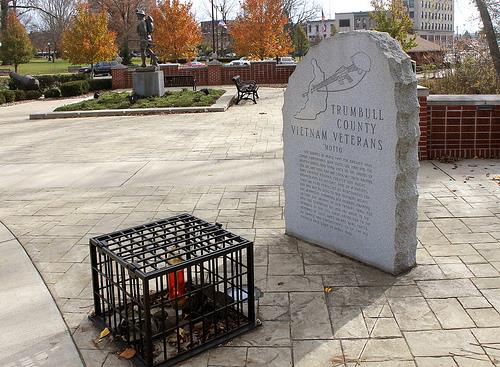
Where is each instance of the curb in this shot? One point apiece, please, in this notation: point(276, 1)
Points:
point(32, 326)
point(222, 104)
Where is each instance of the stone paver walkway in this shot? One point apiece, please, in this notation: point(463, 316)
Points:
point(445, 312)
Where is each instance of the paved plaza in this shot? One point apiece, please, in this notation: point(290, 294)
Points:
point(64, 181)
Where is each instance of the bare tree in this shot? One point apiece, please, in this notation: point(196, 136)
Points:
point(226, 8)
point(54, 16)
point(123, 18)
point(489, 31)
point(300, 11)
point(494, 10)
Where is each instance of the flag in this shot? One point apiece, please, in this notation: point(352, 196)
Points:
point(323, 21)
point(222, 24)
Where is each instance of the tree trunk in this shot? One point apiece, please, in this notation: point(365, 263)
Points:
point(490, 35)
point(4, 7)
point(15, 68)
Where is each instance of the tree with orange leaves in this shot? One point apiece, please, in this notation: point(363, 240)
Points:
point(259, 31)
point(177, 33)
point(88, 38)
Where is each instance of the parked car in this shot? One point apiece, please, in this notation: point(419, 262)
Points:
point(239, 63)
point(286, 60)
point(100, 68)
point(231, 54)
point(194, 64)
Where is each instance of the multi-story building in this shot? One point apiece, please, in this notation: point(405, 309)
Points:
point(316, 30)
point(362, 20)
point(344, 22)
point(433, 20)
point(354, 21)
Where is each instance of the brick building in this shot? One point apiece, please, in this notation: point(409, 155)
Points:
point(223, 39)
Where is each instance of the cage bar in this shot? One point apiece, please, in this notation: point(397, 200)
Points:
point(173, 288)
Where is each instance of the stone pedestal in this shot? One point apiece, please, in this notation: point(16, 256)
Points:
point(148, 83)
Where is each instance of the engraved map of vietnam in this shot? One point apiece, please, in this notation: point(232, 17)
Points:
point(345, 77)
point(340, 149)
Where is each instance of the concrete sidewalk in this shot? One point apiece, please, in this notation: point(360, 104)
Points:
point(33, 331)
point(64, 181)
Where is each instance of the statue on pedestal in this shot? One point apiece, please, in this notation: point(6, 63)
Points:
point(144, 30)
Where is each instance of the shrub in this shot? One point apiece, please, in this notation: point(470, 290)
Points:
point(55, 80)
point(33, 94)
point(52, 93)
point(20, 95)
point(75, 88)
point(13, 85)
point(4, 82)
point(99, 84)
point(2, 98)
point(471, 72)
point(10, 95)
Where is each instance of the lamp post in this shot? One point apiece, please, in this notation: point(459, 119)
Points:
point(213, 28)
point(48, 56)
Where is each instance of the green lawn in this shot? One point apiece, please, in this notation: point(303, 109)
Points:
point(113, 100)
point(39, 66)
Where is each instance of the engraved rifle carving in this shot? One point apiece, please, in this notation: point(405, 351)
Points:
point(344, 78)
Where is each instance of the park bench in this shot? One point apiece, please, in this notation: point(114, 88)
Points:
point(180, 81)
point(4, 71)
point(247, 89)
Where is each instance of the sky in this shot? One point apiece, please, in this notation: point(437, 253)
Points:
point(466, 15)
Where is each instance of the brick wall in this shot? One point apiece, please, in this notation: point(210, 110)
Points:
point(423, 146)
point(464, 126)
point(121, 78)
point(263, 72)
point(214, 76)
point(199, 73)
point(229, 71)
point(283, 72)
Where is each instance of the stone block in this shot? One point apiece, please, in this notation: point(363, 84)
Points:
point(148, 83)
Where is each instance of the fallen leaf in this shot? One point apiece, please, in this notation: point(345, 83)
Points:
point(328, 289)
point(104, 333)
point(128, 353)
point(337, 359)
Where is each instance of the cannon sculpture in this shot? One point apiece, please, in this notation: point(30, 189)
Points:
point(25, 82)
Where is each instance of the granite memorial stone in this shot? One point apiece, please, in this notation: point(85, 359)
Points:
point(350, 131)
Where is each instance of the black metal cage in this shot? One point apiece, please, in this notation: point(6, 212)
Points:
point(173, 288)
